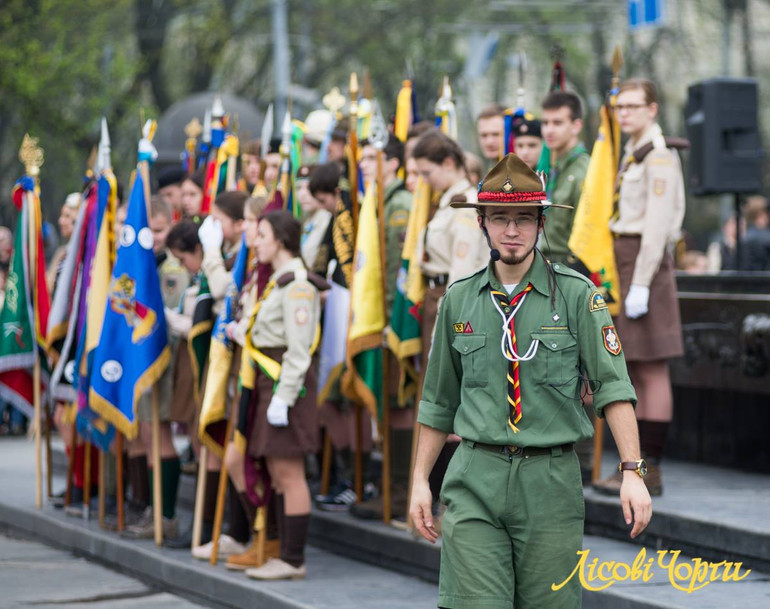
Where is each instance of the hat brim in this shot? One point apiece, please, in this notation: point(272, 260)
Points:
point(545, 204)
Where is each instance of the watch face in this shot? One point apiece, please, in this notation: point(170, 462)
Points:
point(643, 467)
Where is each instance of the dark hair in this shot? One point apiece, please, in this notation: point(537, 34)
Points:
point(286, 229)
point(435, 146)
point(419, 129)
point(231, 203)
point(325, 178)
point(198, 177)
point(183, 236)
point(159, 207)
point(559, 99)
point(169, 176)
point(647, 86)
point(252, 147)
point(394, 149)
point(491, 111)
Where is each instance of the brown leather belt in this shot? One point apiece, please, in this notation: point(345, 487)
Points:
point(522, 451)
point(437, 280)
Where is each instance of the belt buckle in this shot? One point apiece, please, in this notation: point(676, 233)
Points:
point(514, 451)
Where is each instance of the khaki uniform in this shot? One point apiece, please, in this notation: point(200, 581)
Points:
point(651, 203)
point(564, 187)
point(452, 243)
point(288, 319)
point(314, 229)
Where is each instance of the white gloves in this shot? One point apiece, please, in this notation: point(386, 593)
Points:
point(278, 412)
point(210, 234)
point(637, 301)
point(178, 324)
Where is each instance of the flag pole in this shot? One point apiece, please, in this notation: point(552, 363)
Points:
point(48, 459)
point(379, 137)
point(102, 467)
point(73, 442)
point(87, 480)
point(219, 510)
point(200, 494)
point(38, 432)
point(157, 496)
point(353, 144)
point(120, 495)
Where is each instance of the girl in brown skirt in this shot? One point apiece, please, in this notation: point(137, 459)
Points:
point(282, 335)
point(650, 213)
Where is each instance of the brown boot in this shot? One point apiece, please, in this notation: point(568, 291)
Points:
point(244, 560)
point(654, 480)
point(609, 486)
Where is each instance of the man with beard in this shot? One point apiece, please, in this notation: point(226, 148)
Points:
point(515, 512)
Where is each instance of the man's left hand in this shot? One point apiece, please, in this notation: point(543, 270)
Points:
point(636, 502)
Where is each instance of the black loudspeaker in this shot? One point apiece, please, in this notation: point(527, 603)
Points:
point(725, 152)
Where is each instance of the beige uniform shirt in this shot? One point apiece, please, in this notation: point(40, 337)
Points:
point(313, 231)
point(288, 318)
point(651, 203)
point(452, 242)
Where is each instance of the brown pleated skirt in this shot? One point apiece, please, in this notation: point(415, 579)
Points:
point(300, 436)
point(183, 406)
point(658, 334)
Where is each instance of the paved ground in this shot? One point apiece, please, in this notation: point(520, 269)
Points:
point(35, 575)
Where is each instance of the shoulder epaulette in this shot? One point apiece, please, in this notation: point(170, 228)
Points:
point(676, 143)
point(319, 282)
point(564, 269)
point(466, 277)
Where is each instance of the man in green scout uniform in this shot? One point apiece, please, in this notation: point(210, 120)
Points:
point(561, 124)
point(514, 520)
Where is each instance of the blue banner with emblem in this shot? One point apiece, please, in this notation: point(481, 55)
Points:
point(133, 350)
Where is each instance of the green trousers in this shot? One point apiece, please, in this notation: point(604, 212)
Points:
point(513, 527)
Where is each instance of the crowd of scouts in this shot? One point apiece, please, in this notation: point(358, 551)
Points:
point(292, 265)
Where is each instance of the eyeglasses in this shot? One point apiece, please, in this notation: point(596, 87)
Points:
point(629, 107)
point(521, 222)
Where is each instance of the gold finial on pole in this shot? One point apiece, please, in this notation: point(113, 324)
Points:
point(193, 129)
point(617, 63)
point(334, 101)
point(31, 155)
point(353, 94)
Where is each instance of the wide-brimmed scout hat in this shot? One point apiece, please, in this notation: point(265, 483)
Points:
point(511, 183)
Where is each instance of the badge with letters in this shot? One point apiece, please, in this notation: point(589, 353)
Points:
point(611, 340)
point(596, 302)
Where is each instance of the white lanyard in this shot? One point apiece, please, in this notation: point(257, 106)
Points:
point(506, 342)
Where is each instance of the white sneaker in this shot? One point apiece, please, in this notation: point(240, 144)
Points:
point(227, 547)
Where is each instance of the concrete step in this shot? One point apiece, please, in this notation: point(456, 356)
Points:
point(706, 512)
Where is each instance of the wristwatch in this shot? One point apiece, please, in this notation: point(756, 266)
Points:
point(640, 467)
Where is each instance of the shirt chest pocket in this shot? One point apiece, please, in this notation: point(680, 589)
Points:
point(473, 357)
point(557, 357)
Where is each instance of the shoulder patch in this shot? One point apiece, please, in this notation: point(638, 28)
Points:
point(659, 187)
point(301, 291)
point(596, 302)
point(461, 250)
point(399, 218)
point(611, 340)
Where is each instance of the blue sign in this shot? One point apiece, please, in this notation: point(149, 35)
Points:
point(645, 13)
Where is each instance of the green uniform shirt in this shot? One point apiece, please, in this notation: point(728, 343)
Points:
point(565, 184)
point(465, 390)
point(398, 205)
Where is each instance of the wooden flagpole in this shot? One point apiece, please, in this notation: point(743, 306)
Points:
point(102, 491)
point(73, 443)
point(87, 481)
point(38, 432)
point(120, 494)
point(48, 459)
point(219, 510)
point(200, 495)
point(157, 495)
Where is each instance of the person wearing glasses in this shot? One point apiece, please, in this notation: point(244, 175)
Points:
point(511, 347)
point(649, 217)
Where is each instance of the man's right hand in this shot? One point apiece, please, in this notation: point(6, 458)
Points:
point(420, 510)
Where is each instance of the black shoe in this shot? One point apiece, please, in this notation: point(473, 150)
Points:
point(76, 496)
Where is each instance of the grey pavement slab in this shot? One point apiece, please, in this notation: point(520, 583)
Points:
point(333, 582)
point(32, 574)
